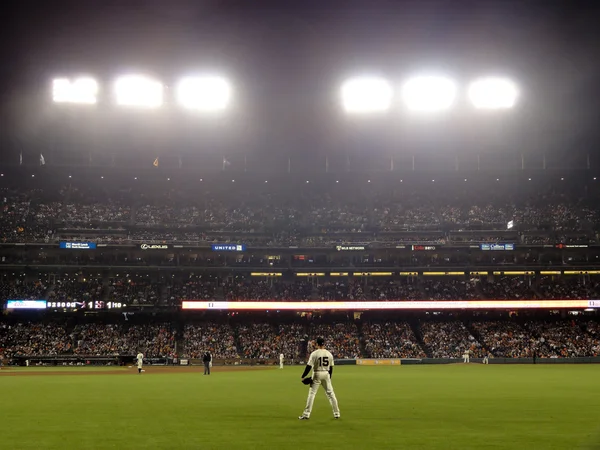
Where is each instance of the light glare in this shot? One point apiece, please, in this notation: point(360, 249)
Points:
point(138, 91)
point(431, 93)
point(493, 93)
point(81, 90)
point(204, 93)
point(366, 95)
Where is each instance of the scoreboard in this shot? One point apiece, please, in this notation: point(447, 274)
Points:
point(95, 305)
point(91, 305)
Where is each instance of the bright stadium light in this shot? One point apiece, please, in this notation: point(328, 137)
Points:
point(366, 95)
point(82, 90)
point(429, 93)
point(138, 91)
point(493, 93)
point(204, 93)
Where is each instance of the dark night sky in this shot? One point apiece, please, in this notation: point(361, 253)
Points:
point(287, 59)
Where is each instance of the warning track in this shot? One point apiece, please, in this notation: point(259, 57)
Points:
point(149, 370)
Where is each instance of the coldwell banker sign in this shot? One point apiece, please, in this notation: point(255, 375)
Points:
point(154, 246)
point(495, 247)
point(228, 247)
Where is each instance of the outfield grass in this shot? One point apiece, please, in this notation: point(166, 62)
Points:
point(415, 407)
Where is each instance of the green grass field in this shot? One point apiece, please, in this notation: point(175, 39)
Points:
point(416, 407)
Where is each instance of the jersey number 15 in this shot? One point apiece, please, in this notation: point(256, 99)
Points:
point(323, 361)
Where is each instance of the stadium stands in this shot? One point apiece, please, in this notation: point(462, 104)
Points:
point(375, 243)
point(263, 341)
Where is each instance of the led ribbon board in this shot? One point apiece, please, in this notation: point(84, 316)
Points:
point(391, 305)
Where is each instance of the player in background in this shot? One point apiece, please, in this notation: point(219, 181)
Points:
point(321, 363)
point(281, 360)
point(486, 358)
point(140, 362)
point(207, 360)
point(466, 356)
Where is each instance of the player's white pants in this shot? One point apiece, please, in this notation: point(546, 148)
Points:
point(281, 364)
point(465, 359)
point(321, 378)
point(486, 360)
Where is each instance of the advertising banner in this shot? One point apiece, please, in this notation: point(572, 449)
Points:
point(154, 246)
point(228, 247)
point(78, 245)
point(378, 362)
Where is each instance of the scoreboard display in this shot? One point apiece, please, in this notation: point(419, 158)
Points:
point(91, 305)
point(95, 305)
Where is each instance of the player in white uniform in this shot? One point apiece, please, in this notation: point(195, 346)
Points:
point(321, 363)
point(486, 358)
point(140, 362)
point(466, 356)
point(281, 360)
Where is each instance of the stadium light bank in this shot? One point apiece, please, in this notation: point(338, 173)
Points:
point(138, 91)
point(427, 94)
point(208, 93)
point(366, 95)
point(83, 90)
point(197, 93)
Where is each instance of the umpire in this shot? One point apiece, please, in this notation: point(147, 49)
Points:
point(207, 359)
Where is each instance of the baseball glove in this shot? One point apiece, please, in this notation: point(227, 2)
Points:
point(307, 381)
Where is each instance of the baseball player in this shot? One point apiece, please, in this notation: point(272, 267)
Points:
point(281, 360)
point(486, 358)
point(140, 362)
point(466, 356)
point(321, 363)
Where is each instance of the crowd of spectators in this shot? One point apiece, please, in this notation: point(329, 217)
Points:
point(450, 340)
point(76, 290)
point(563, 339)
point(297, 290)
point(20, 288)
point(248, 289)
point(508, 288)
point(341, 290)
point(217, 339)
point(506, 339)
point(256, 341)
point(403, 289)
point(447, 289)
point(391, 212)
point(157, 340)
point(26, 216)
point(313, 219)
point(289, 341)
point(143, 288)
point(134, 290)
point(95, 339)
point(86, 206)
point(193, 287)
point(562, 288)
point(341, 339)
point(391, 340)
point(36, 339)
point(109, 211)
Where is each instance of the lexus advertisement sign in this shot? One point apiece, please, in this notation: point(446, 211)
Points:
point(154, 247)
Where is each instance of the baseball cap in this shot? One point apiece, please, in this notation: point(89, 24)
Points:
point(320, 341)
